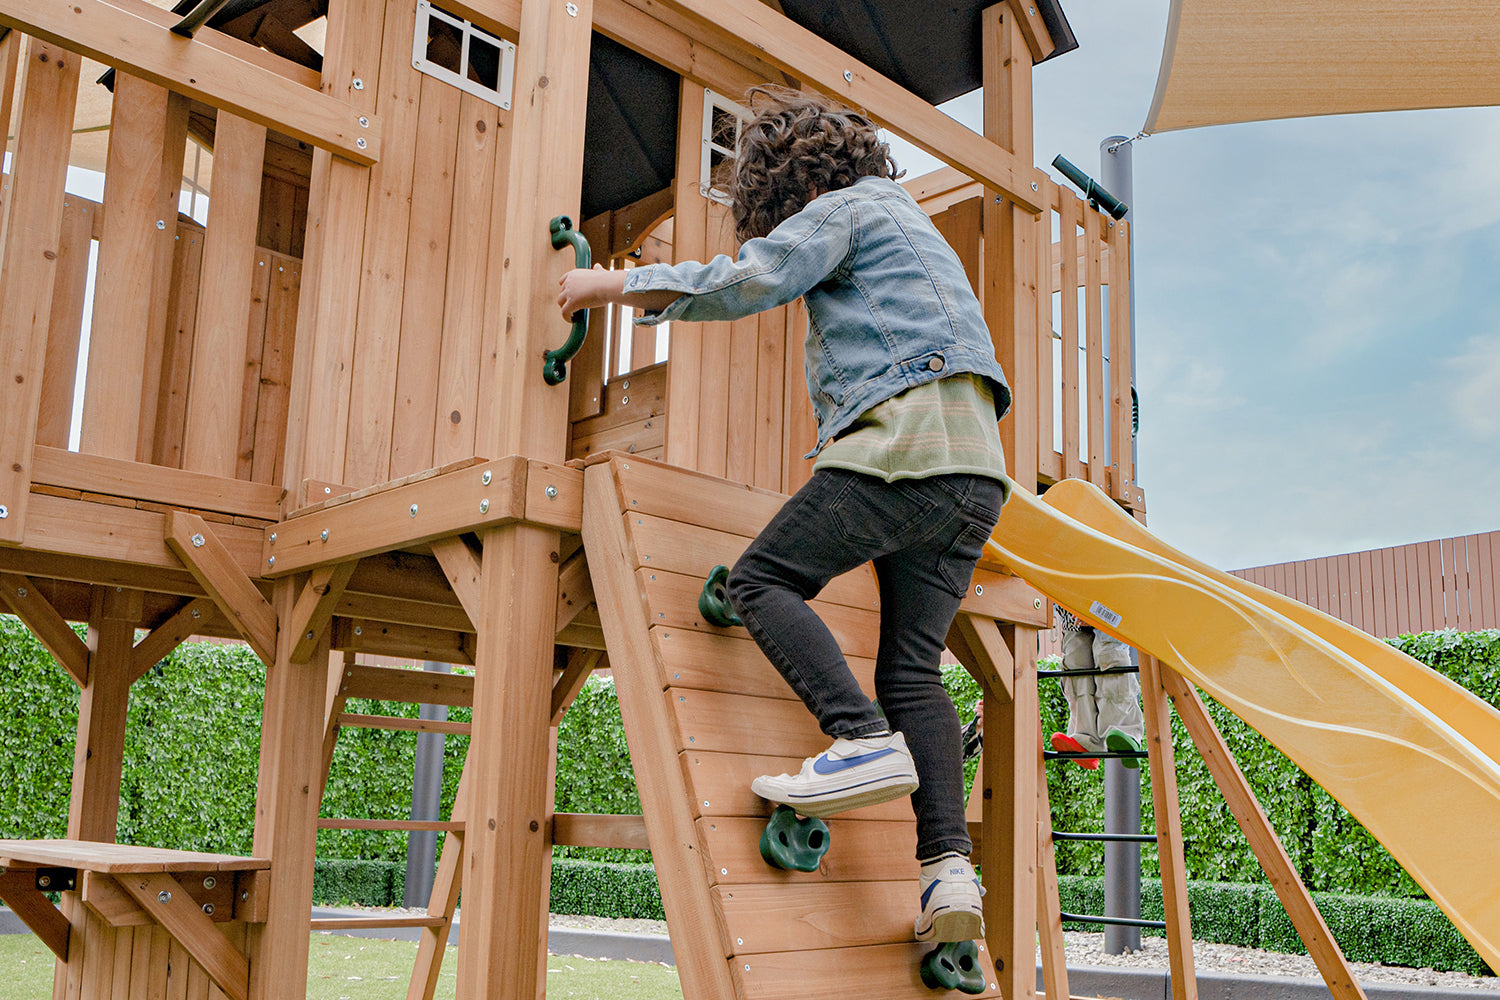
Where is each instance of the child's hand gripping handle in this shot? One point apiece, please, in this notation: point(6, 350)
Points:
point(554, 368)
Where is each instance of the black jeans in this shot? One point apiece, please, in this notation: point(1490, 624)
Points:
point(924, 537)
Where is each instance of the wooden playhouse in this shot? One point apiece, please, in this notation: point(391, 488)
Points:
point(314, 418)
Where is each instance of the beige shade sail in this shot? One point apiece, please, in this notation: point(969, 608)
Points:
point(1228, 61)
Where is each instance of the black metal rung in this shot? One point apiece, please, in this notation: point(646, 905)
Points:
point(1123, 838)
point(1093, 755)
point(1082, 918)
point(1092, 672)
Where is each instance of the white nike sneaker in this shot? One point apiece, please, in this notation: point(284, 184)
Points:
point(951, 910)
point(849, 774)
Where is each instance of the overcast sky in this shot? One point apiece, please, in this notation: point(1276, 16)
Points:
point(1318, 339)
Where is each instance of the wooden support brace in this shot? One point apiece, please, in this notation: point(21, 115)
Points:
point(163, 897)
point(581, 663)
point(1033, 28)
point(1253, 821)
point(981, 648)
point(160, 641)
point(313, 612)
point(1048, 904)
point(444, 901)
point(575, 591)
point(19, 892)
point(1163, 766)
point(462, 568)
point(54, 633)
point(215, 569)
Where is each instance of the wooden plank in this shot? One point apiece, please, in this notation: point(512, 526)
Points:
point(676, 849)
point(1034, 28)
point(1093, 307)
point(414, 642)
point(18, 891)
point(99, 751)
point(743, 397)
point(817, 916)
point(177, 347)
point(255, 339)
point(313, 612)
point(1488, 577)
point(139, 481)
point(1168, 829)
point(32, 232)
point(484, 135)
point(729, 663)
point(1071, 436)
point(65, 324)
point(600, 831)
point(570, 680)
point(885, 972)
point(11, 43)
point(719, 785)
point(464, 570)
point(402, 724)
point(284, 293)
point(988, 659)
point(213, 419)
point(177, 629)
point(1122, 454)
point(443, 901)
point(406, 825)
point(140, 965)
point(732, 723)
point(770, 399)
point(124, 288)
point(26, 602)
point(1048, 905)
point(424, 687)
point(1263, 841)
point(690, 242)
point(166, 900)
point(110, 858)
point(214, 68)
point(868, 850)
point(215, 569)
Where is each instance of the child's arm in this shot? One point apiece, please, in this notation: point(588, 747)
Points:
point(590, 289)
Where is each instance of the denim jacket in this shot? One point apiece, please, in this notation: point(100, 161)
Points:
point(889, 306)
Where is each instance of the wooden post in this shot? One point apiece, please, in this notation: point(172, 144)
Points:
point(100, 751)
point(28, 264)
point(1168, 830)
point(689, 242)
point(286, 806)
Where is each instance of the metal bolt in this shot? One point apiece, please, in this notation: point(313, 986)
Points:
point(309, 637)
point(360, 142)
point(572, 9)
point(978, 590)
point(4, 512)
point(197, 541)
point(413, 510)
point(626, 385)
point(551, 493)
point(209, 882)
point(848, 78)
point(270, 560)
point(1033, 185)
point(273, 538)
point(323, 534)
point(161, 224)
point(739, 940)
point(22, 591)
point(44, 880)
point(1036, 602)
point(485, 479)
point(364, 122)
point(624, 400)
point(164, 896)
point(359, 84)
point(484, 506)
point(358, 630)
point(208, 908)
point(725, 871)
point(197, 613)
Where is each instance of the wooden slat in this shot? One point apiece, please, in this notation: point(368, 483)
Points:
point(719, 785)
point(255, 339)
point(406, 825)
point(1168, 828)
point(885, 972)
point(314, 609)
point(269, 436)
point(18, 891)
point(214, 568)
point(689, 243)
point(770, 398)
point(119, 859)
point(740, 433)
point(11, 43)
point(372, 923)
point(1069, 388)
point(713, 377)
point(423, 687)
point(29, 254)
point(177, 347)
point(99, 531)
point(817, 916)
point(216, 69)
point(403, 724)
point(212, 439)
point(1122, 461)
point(65, 324)
point(136, 480)
point(413, 642)
point(173, 908)
point(731, 723)
point(23, 598)
point(1093, 307)
point(730, 663)
point(868, 850)
point(593, 830)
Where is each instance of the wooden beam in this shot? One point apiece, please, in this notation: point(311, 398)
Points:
point(162, 896)
point(795, 50)
point(155, 483)
point(1163, 766)
point(464, 572)
point(99, 749)
point(210, 67)
point(313, 612)
point(32, 228)
point(54, 633)
point(1256, 826)
point(1033, 28)
point(232, 591)
point(185, 623)
point(19, 892)
point(992, 663)
point(599, 830)
point(565, 688)
point(417, 687)
point(575, 591)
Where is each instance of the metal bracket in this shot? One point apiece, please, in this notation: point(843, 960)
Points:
point(56, 879)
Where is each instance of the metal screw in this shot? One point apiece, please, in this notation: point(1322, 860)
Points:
point(22, 591)
point(485, 479)
point(364, 122)
point(626, 385)
point(210, 882)
point(197, 613)
point(323, 534)
point(1036, 602)
point(309, 637)
point(164, 896)
point(413, 510)
point(848, 78)
point(4, 512)
point(551, 493)
point(44, 880)
point(270, 560)
point(624, 400)
point(208, 908)
point(1033, 185)
point(725, 871)
point(273, 538)
point(484, 506)
point(978, 590)
point(358, 630)
point(572, 9)
point(360, 142)
point(161, 224)
point(197, 541)
point(359, 84)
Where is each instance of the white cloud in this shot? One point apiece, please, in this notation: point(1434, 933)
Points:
point(1475, 395)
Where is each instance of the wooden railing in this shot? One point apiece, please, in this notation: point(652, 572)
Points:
point(1444, 583)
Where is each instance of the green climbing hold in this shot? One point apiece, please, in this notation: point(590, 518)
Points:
point(713, 603)
point(794, 843)
point(953, 965)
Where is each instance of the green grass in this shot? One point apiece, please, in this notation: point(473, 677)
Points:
point(346, 968)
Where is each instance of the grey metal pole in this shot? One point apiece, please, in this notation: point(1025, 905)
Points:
point(1122, 785)
point(426, 802)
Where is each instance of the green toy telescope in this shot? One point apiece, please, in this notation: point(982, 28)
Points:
point(1096, 195)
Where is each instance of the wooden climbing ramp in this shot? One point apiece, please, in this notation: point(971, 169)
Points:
point(704, 713)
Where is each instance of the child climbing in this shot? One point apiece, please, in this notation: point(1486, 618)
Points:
point(1104, 710)
point(909, 471)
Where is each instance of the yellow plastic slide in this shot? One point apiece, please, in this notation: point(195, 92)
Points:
point(1412, 756)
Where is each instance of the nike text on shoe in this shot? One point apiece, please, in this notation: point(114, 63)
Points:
point(951, 910)
point(848, 775)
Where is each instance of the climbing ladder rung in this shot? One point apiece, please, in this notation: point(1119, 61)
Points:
point(403, 724)
point(1082, 918)
point(1094, 754)
point(1094, 672)
point(1113, 838)
point(410, 825)
point(374, 923)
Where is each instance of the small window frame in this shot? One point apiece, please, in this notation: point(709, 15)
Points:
point(717, 102)
point(502, 94)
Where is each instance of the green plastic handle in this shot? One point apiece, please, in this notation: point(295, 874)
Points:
point(554, 367)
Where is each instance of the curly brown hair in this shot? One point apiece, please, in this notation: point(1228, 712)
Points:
point(795, 147)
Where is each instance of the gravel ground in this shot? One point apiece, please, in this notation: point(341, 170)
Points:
point(1088, 950)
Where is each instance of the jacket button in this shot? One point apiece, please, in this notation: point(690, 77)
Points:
point(935, 365)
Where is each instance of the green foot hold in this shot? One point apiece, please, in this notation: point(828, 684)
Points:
point(713, 603)
point(953, 965)
point(794, 844)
